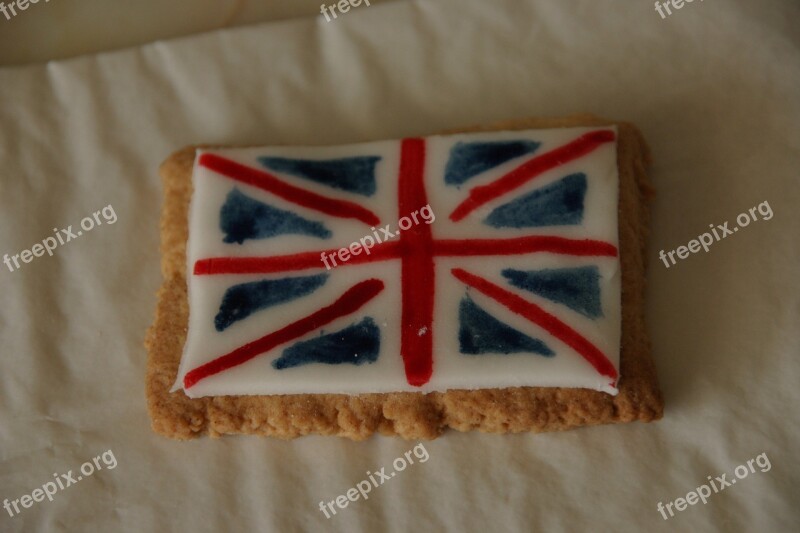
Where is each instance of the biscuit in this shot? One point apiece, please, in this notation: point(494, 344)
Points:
point(411, 415)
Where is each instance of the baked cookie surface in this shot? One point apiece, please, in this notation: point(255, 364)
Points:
point(415, 414)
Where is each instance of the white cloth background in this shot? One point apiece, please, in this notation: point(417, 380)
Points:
point(715, 88)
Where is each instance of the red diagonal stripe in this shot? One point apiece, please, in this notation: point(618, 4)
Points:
point(416, 337)
point(522, 245)
point(268, 182)
point(286, 263)
point(581, 146)
point(542, 318)
point(349, 302)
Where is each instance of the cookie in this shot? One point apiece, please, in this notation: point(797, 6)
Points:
point(488, 279)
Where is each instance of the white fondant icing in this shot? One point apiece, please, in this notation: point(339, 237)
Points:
point(451, 369)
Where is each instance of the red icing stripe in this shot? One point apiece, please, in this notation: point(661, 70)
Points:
point(416, 337)
point(349, 302)
point(268, 182)
point(286, 263)
point(542, 318)
point(392, 250)
point(581, 146)
point(521, 245)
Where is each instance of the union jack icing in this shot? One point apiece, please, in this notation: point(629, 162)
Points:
point(468, 261)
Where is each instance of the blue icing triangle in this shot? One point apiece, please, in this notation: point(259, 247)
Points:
point(240, 301)
point(577, 288)
point(356, 344)
point(557, 204)
point(351, 174)
point(482, 333)
point(467, 160)
point(242, 218)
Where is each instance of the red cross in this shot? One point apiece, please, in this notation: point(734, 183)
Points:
point(417, 250)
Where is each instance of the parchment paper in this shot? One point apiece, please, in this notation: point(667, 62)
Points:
point(715, 87)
